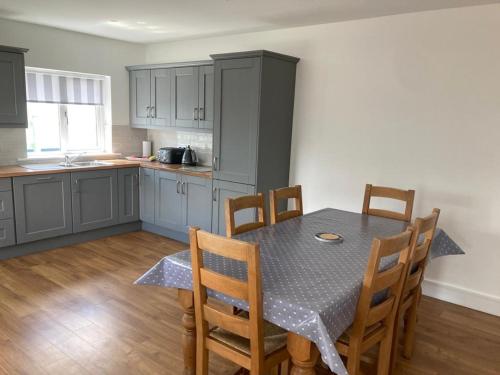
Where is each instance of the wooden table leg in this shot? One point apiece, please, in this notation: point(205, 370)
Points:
point(186, 301)
point(304, 354)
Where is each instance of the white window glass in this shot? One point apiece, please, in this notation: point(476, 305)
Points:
point(43, 133)
point(83, 127)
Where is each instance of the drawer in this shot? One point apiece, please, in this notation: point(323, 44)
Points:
point(6, 208)
point(5, 184)
point(7, 233)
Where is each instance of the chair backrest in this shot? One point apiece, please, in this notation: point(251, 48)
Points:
point(250, 291)
point(232, 205)
point(376, 281)
point(424, 233)
point(292, 192)
point(406, 196)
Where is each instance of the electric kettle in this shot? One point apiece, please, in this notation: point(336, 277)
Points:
point(189, 157)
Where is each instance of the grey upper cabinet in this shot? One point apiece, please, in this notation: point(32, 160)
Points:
point(223, 190)
point(42, 206)
point(160, 110)
point(140, 98)
point(128, 195)
point(168, 200)
point(197, 202)
point(185, 111)
point(95, 199)
point(236, 122)
point(12, 88)
point(147, 195)
point(206, 97)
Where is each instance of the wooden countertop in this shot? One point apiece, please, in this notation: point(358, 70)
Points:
point(16, 170)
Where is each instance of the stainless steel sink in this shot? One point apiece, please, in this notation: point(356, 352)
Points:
point(84, 164)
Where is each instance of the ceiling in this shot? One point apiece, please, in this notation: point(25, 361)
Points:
point(149, 21)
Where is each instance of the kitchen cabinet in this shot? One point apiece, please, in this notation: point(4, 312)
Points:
point(197, 202)
point(185, 111)
point(206, 97)
point(253, 117)
point(168, 200)
point(223, 190)
point(140, 98)
point(147, 195)
point(6, 206)
point(13, 112)
point(42, 206)
point(172, 95)
point(128, 195)
point(95, 199)
point(7, 233)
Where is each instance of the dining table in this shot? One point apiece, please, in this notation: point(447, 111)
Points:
point(310, 287)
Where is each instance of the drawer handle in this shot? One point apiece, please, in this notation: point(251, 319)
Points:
point(45, 178)
point(183, 190)
point(214, 194)
point(178, 185)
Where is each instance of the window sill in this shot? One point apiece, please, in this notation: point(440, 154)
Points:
point(60, 157)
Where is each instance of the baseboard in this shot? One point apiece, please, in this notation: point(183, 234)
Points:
point(71, 239)
point(461, 296)
point(179, 236)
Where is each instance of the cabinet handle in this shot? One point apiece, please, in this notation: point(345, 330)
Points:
point(202, 113)
point(148, 111)
point(214, 194)
point(214, 162)
point(195, 113)
point(136, 178)
point(182, 188)
point(45, 178)
point(77, 190)
point(151, 111)
point(178, 185)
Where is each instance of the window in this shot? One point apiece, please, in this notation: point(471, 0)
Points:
point(66, 112)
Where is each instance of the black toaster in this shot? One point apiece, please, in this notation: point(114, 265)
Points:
point(170, 155)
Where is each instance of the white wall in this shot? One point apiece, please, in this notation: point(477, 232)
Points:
point(411, 101)
point(58, 49)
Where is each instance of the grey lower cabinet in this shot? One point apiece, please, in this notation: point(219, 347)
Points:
point(7, 233)
point(197, 202)
point(181, 201)
point(42, 206)
point(223, 190)
point(12, 88)
point(128, 195)
point(168, 200)
point(95, 199)
point(147, 195)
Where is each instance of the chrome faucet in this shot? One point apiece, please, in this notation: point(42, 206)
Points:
point(69, 159)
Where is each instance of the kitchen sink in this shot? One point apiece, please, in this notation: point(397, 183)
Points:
point(84, 164)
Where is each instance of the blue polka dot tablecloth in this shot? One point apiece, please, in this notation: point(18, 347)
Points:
point(309, 287)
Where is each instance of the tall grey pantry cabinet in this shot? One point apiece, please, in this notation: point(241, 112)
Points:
point(253, 116)
point(12, 88)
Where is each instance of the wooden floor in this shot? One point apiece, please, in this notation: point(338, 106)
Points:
point(75, 310)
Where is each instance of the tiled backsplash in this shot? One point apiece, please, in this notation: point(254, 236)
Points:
point(12, 145)
point(128, 141)
point(201, 142)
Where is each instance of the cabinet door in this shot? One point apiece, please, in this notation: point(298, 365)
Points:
point(236, 119)
point(161, 82)
point(147, 195)
point(12, 90)
point(140, 98)
point(206, 97)
point(128, 195)
point(221, 191)
point(95, 199)
point(168, 202)
point(6, 208)
point(42, 206)
point(197, 202)
point(185, 97)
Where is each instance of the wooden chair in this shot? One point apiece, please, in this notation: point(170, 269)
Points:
point(406, 196)
point(233, 205)
point(246, 340)
point(293, 192)
point(374, 322)
point(412, 290)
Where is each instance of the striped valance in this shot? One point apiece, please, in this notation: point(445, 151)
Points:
point(48, 87)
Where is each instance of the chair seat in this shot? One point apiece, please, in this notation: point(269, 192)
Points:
point(274, 338)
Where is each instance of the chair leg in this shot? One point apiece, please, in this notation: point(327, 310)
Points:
point(384, 354)
point(395, 342)
point(410, 331)
point(201, 357)
point(354, 358)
